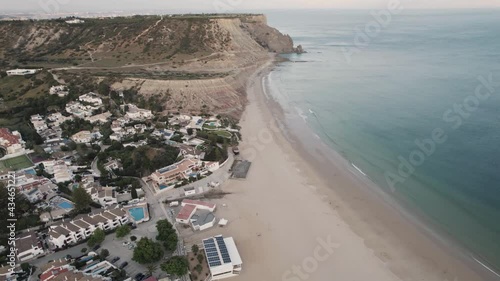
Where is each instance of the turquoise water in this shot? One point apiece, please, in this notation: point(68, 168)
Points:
point(66, 205)
point(137, 213)
point(407, 83)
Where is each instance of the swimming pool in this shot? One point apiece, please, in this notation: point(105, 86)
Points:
point(31, 172)
point(137, 213)
point(65, 205)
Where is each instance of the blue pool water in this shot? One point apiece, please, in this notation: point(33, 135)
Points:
point(137, 213)
point(65, 205)
point(163, 186)
point(31, 171)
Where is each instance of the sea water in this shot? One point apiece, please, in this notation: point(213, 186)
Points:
point(401, 102)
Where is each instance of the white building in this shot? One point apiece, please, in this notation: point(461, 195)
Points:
point(28, 246)
point(91, 98)
point(175, 172)
point(68, 233)
point(104, 195)
point(196, 123)
point(79, 110)
point(82, 137)
point(38, 123)
point(223, 258)
point(57, 119)
point(99, 118)
point(75, 21)
point(62, 172)
point(21, 72)
point(188, 191)
point(136, 113)
point(189, 207)
point(60, 90)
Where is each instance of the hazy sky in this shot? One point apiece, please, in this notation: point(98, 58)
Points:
point(228, 5)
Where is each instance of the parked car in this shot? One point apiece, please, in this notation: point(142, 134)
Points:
point(123, 264)
point(139, 276)
point(115, 259)
point(96, 247)
point(125, 243)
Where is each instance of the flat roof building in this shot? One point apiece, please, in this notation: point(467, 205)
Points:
point(222, 256)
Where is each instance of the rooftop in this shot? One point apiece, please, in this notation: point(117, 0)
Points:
point(186, 212)
point(220, 251)
point(199, 203)
point(26, 240)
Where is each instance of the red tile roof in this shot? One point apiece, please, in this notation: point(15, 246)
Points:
point(49, 274)
point(7, 138)
point(186, 212)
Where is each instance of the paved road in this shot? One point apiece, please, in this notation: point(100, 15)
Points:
point(94, 168)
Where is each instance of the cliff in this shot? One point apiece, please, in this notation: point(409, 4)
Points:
point(202, 60)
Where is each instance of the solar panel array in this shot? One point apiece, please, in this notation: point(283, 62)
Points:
point(223, 249)
point(212, 250)
point(212, 253)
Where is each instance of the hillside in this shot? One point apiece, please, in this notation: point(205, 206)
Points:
point(200, 61)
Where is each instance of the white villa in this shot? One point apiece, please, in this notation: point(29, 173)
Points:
point(28, 246)
point(136, 113)
point(60, 90)
point(99, 118)
point(197, 213)
point(91, 98)
point(85, 136)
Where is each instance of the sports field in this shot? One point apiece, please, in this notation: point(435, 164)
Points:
point(16, 163)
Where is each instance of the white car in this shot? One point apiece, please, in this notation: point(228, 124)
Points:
point(126, 243)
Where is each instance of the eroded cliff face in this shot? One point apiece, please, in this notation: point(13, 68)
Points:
point(267, 36)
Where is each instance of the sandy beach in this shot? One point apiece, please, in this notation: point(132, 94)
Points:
point(297, 219)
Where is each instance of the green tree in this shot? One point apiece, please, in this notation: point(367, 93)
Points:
point(147, 251)
point(195, 249)
point(81, 199)
point(103, 88)
point(84, 250)
point(25, 267)
point(122, 231)
point(167, 235)
point(200, 257)
point(96, 238)
point(104, 254)
point(151, 268)
point(176, 265)
point(198, 268)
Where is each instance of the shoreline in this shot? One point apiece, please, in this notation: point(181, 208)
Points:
point(428, 231)
point(380, 229)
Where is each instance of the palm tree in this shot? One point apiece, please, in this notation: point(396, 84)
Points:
point(151, 268)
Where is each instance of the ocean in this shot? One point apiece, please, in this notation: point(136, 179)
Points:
point(412, 100)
